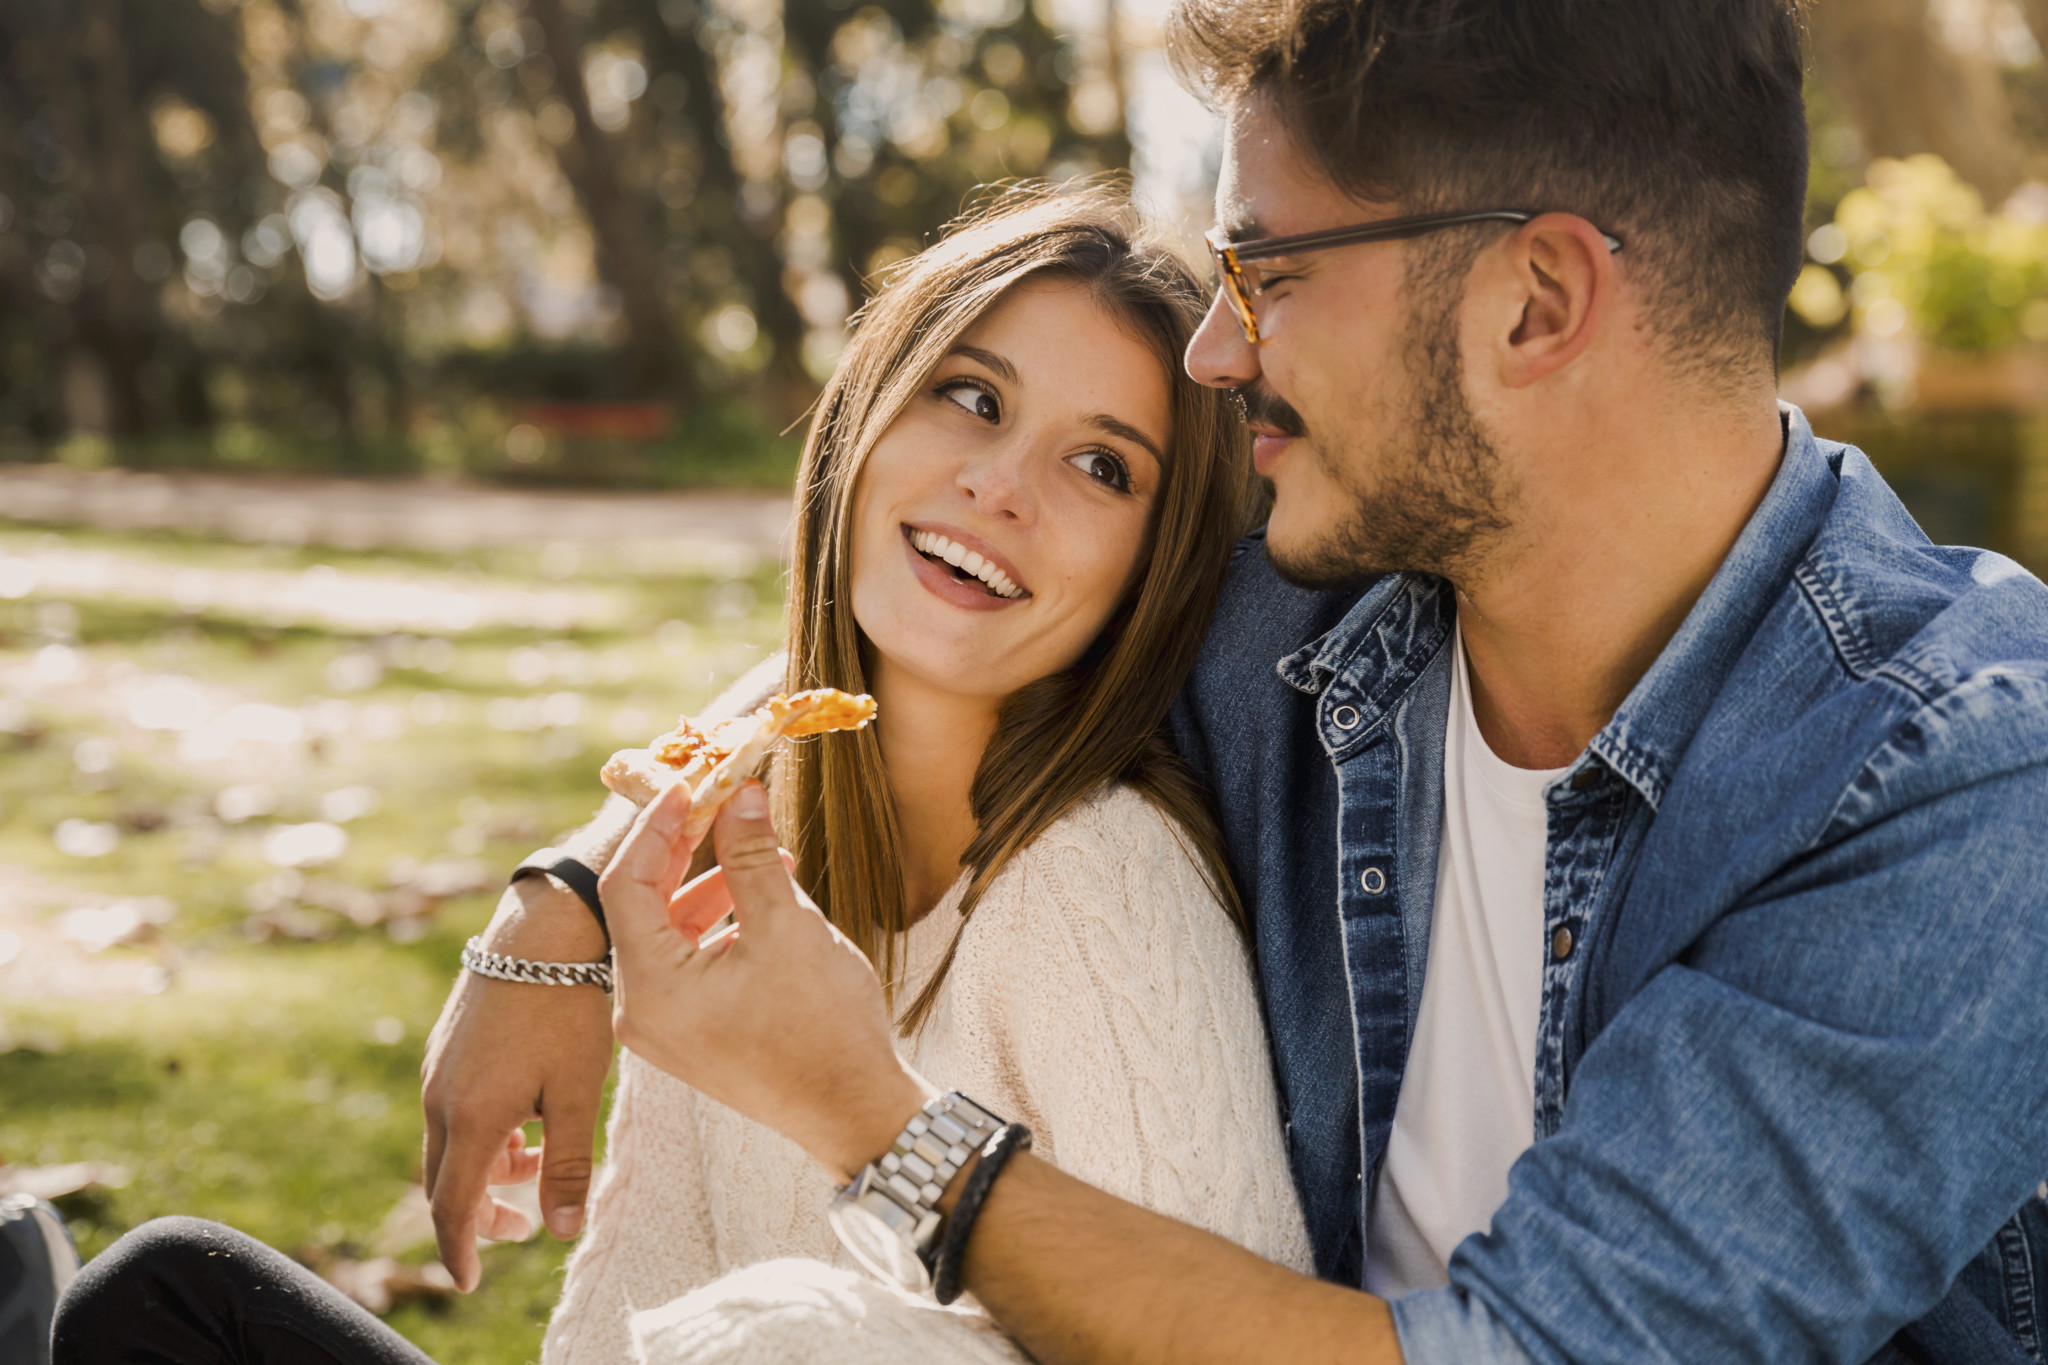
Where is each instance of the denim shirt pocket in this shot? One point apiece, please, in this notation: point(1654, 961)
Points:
point(2010, 1276)
point(2021, 1248)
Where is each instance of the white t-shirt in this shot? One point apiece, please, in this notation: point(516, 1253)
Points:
point(1468, 1096)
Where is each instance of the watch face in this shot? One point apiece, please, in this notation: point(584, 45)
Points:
point(877, 1244)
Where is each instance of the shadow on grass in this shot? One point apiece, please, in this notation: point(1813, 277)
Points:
point(105, 1074)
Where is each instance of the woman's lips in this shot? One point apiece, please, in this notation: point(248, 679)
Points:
point(939, 580)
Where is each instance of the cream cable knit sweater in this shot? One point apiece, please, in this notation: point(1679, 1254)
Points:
point(1099, 995)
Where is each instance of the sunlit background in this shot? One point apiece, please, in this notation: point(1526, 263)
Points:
point(396, 416)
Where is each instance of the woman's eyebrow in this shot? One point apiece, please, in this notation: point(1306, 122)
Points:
point(1003, 369)
point(1116, 426)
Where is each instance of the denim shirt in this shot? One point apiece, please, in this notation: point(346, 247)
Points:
point(1792, 1056)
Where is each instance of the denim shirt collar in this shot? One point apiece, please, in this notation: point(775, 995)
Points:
point(1375, 643)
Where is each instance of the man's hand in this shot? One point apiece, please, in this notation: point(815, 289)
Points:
point(782, 1019)
point(504, 1053)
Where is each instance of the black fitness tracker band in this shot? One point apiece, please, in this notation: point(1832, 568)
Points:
point(995, 1154)
point(570, 872)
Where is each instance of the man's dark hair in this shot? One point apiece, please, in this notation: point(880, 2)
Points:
point(1677, 125)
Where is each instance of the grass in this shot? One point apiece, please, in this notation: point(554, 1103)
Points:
point(274, 1085)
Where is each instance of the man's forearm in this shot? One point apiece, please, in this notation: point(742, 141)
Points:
point(596, 842)
point(540, 918)
point(1077, 1275)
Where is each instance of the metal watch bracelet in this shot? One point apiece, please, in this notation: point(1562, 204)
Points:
point(888, 1217)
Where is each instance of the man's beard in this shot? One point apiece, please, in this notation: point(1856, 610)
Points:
point(1436, 495)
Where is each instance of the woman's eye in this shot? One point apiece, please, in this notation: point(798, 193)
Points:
point(975, 399)
point(1103, 467)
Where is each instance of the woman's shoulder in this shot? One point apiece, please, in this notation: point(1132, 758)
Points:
point(1114, 853)
point(1113, 827)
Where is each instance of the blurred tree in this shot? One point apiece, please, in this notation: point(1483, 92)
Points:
point(332, 219)
point(325, 347)
point(1907, 90)
point(122, 122)
point(697, 183)
point(626, 257)
point(909, 105)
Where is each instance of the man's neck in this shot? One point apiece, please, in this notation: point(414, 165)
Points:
point(1563, 622)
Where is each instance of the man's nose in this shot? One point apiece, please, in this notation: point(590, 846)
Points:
point(1218, 355)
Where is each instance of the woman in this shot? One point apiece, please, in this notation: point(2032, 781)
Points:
point(1013, 517)
point(1014, 513)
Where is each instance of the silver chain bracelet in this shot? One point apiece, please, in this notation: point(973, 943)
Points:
point(478, 959)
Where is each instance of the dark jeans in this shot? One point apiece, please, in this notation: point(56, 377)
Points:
point(183, 1291)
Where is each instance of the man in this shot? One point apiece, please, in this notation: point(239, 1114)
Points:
point(1640, 820)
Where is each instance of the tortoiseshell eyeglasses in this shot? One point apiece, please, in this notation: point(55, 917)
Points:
point(1238, 273)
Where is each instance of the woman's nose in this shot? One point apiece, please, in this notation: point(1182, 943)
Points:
point(997, 479)
point(1218, 355)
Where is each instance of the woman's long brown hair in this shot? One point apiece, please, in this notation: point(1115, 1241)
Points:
point(1060, 738)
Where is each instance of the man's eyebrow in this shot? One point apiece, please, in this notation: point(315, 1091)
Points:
point(1116, 426)
point(989, 359)
point(1245, 228)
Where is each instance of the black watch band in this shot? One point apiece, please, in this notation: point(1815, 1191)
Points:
point(570, 872)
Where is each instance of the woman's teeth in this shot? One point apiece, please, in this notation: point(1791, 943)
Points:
point(935, 546)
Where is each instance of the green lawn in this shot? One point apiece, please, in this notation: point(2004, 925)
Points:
point(266, 1072)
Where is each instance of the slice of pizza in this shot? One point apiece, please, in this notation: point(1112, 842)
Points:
point(716, 762)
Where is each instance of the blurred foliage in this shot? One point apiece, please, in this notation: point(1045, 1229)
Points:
point(1914, 247)
point(339, 222)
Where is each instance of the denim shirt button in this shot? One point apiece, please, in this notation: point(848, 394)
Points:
point(1561, 943)
point(1585, 778)
point(1345, 717)
point(1373, 880)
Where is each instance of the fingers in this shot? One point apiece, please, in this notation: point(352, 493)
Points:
point(755, 875)
point(568, 1128)
point(705, 900)
point(701, 903)
point(637, 886)
point(500, 1222)
point(517, 1163)
point(458, 1195)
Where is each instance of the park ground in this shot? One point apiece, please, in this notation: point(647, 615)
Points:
point(266, 751)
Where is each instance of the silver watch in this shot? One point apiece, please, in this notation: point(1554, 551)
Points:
point(889, 1216)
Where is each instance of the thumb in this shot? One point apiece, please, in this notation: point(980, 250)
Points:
point(756, 877)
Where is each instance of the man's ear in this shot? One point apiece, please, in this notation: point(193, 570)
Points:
point(1562, 274)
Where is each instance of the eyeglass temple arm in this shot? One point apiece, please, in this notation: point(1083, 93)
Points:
point(1266, 247)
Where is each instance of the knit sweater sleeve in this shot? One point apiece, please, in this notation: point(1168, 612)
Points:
point(650, 1235)
point(1103, 993)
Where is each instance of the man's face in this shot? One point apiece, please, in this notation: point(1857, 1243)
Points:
point(1355, 393)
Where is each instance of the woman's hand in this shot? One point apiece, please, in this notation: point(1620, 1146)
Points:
point(782, 1019)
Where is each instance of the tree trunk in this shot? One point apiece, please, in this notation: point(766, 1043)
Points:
point(1908, 92)
point(117, 328)
point(759, 264)
point(626, 257)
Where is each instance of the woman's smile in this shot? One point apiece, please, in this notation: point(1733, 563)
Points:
point(962, 569)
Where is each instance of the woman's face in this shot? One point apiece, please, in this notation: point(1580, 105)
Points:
point(999, 519)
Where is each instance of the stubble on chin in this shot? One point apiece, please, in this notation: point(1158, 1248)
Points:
point(1437, 500)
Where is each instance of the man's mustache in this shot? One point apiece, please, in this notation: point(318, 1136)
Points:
point(1259, 404)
